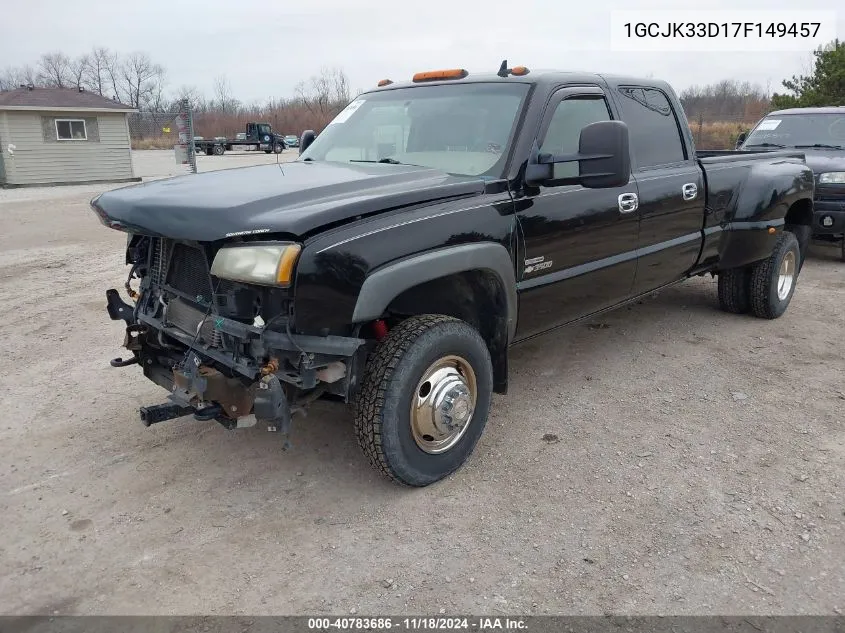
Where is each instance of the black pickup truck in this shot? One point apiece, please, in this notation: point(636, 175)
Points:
point(430, 226)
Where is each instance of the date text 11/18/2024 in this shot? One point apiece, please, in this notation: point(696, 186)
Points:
point(416, 624)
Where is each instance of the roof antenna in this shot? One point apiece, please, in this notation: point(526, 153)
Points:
point(503, 69)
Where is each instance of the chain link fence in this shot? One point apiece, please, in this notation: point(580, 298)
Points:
point(171, 130)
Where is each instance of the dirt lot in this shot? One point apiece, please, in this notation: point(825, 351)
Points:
point(699, 468)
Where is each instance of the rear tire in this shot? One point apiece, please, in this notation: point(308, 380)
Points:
point(773, 279)
point(734, 286)
point(430, 367)
point(219, 150)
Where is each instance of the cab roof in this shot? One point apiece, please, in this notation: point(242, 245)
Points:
point(546, 78)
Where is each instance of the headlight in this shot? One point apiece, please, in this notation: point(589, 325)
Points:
point(265, 264)
point(832, 178)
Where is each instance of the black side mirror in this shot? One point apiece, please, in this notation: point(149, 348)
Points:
point(608, 162)
point(740, 139)
point(306, 139)
point(604, 159)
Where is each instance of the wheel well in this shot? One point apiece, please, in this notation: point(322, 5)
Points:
point(800, 213)
point(799, 221)
point(475, 296)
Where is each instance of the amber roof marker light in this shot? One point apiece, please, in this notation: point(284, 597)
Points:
point(516, 71)
point(384, 82)
point(435, 75)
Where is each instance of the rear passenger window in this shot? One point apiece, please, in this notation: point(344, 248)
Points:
point(564, 131)
point(654, 132)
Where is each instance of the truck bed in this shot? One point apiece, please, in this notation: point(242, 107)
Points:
point(712, 156)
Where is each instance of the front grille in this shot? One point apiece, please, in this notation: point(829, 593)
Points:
point(831, 193)
point(188, 273)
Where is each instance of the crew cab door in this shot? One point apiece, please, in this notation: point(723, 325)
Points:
point(579, 244)
point(670, 183)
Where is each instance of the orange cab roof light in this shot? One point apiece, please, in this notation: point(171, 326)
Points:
point(384, 82)
point(517, 71)
point(435, 75)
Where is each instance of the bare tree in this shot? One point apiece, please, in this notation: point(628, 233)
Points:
point(727, 100)
point(112, 71)
point(30, 76)
point(224, 101)
point(11, 77)
point(96, 75)
point(54, 70)
point(142, 79)
point(78, 70)
point(325, 94)
point(192, 95)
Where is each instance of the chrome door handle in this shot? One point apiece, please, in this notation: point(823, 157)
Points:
point(628, 202)
point(690, 191)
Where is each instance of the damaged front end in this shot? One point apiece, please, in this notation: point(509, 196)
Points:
point(225, 350)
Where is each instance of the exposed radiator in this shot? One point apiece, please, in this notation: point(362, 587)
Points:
point(188, 272)
point(187, 318)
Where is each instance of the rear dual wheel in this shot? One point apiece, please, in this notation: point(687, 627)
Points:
point(766, 287)
point(424, 399)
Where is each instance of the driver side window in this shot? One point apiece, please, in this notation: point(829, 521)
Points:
point(564, 132)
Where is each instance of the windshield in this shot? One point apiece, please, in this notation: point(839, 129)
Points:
point(791, 130)
point(463, 129)
point(263, 128)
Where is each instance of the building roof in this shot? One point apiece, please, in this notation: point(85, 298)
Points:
point(64, 99)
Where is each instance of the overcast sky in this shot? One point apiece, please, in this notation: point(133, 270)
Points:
point(264, 47)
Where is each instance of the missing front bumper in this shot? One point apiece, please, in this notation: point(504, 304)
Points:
point(260, 377)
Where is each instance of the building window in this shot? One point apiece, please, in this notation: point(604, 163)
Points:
point(71, 130)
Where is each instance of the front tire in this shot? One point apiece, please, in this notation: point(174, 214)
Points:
point(424, 399)
point(278, 148)
point(773, 279)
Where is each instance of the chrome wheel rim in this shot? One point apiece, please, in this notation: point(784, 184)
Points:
point(786, 275)
point(443, 404)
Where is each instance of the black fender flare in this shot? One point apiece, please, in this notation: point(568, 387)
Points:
point(388, 282)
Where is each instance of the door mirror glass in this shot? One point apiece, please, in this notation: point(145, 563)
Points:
point(306, 139)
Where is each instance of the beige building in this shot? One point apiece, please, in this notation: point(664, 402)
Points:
point(58, 136)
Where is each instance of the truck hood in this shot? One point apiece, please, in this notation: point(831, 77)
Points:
point(821, 161)
point(292, 198)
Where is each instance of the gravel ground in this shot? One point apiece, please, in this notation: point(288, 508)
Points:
point(665, 458)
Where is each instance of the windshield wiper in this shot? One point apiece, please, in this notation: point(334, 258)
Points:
point(765, 145)
point(389, 161)
point(819, 145)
